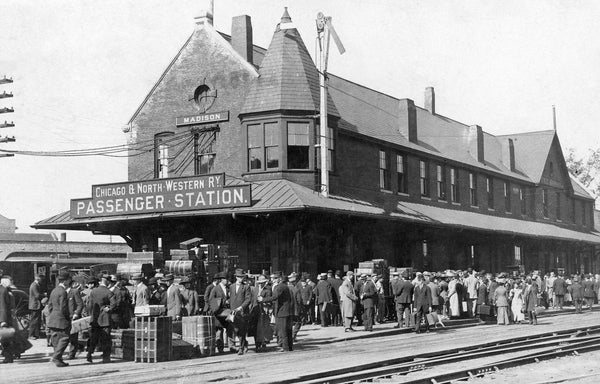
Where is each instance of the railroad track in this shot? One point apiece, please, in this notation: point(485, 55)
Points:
point(527, 350)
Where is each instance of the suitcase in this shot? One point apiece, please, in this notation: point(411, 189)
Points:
point(182, 350)
point(149, 310)
point(82, 324)
point(485, 309)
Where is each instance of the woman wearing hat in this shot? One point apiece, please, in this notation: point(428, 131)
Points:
point(501, 300)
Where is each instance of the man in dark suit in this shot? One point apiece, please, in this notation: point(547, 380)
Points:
point(403, 294)
point(239, 302)
point(75, 303)
point(560, 288)
point(323, 292)
point(368, 297)
point(218, 305)
point(102, 303)
point(6, 320)
point(258, 312)
point(422, 303)
point(35, 307)
point(282, 310)
point(59, 321)
point(209, 288)
point(296, 304)
point(335, 281)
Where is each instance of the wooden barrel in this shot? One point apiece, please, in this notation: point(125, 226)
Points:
point(180, 267)
point(128, 269)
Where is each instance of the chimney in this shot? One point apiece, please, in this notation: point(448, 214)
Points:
point(408, 120)
point(430, 100)
point(511, 154)
point(206, 16)
point(480, 149)
point(241, 37)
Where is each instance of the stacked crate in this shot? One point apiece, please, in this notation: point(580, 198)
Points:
point(200, 332)
point(153, 339)
point(123, 345)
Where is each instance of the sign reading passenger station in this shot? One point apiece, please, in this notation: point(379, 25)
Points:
point(204, 118)
point(162, 195)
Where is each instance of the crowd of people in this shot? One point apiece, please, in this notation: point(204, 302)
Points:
point(277, 306)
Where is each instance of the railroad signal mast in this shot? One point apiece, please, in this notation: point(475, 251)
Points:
point(325, 32)
point(3, 110)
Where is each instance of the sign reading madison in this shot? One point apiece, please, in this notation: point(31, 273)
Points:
point(211, 117)
point(162, 195)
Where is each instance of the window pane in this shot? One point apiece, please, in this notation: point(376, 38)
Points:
point(298, 142)
point(272, 157)
point(254, 136)
point(255, 158)
point(297, 157)
point(207, 164)
point(298, 134)
point(271, 134)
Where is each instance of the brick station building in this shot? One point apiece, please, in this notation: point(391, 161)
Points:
point(406, 183)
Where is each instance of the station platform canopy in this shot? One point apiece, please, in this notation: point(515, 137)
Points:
point(275, 196)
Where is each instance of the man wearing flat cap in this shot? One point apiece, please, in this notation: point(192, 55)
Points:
point(102, 304)
point(239, 302)
point(59, 321)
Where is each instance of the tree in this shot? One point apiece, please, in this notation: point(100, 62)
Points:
point(586, 169)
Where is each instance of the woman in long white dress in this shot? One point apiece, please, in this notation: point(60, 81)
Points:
point(516, 295)
point(453, 297)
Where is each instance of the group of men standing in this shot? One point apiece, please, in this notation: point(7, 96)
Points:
point(243, 310)
point(66, 304)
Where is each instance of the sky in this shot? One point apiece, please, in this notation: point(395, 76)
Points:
point(81, 69)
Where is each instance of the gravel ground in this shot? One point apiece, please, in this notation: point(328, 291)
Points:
point(584, 368)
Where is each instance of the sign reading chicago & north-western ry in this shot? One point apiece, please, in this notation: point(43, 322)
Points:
point(162, 195)
point(203, 118)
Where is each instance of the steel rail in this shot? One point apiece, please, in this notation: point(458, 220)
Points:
point(582, 347)
point(421, 361)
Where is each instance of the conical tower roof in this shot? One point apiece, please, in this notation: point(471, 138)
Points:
point(288, 77)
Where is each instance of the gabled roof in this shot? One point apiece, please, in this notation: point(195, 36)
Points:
point(203, 32)
point(288, 78)
point(531, 151)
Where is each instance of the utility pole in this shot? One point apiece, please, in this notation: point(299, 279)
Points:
point(325, 31)
point(3, 110)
